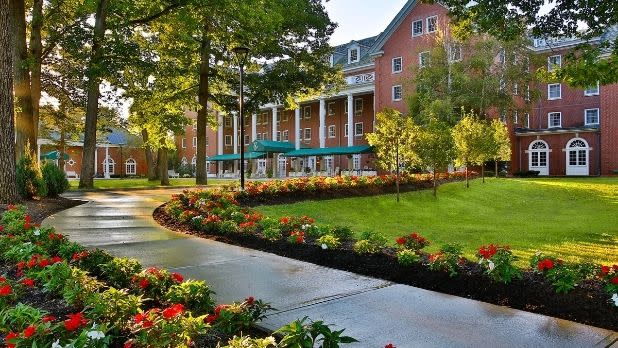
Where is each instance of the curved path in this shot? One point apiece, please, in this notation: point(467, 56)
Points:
point(374, 311)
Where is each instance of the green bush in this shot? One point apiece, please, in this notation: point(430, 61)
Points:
point(195, 295)
point(448, 259)
point(365, 247)
point(54, 178)
point(272, 234)
point(342, 232)
point(328, 241)
point(20, 316)
point(29, 179)
point(113, 306)
point(119, 271)
point(407, 257)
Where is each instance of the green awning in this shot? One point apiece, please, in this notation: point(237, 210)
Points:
point(327, 151)
point(236, 156)
point(271, 146)
point(53, 155)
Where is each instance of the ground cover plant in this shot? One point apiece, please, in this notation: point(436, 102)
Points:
point(131, 183)
point(580, 291)
point(55, 293)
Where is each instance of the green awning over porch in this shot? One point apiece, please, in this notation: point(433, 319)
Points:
point(327, 151)
point(271, 146)
point(53, 155)
point(236, 156)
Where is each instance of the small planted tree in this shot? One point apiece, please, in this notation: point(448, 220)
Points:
point(468, 136)
point(499, 147)
point(392, 140)
point(435, 147)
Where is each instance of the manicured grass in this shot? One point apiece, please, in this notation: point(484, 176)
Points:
point(575, 219)
point(111, 184)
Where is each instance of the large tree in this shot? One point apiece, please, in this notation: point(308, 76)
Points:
point(435, 147)
point(8, 189)
point(470, 145)
point(582, 19)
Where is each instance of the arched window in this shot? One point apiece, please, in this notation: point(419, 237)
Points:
point(194, 160)
point(110, 164)
point(538, 155)
point(577, 157)
point(130, 167)
point(184, 161)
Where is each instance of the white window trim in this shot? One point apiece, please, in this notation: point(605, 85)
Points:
point(357, 49)
point(305, 113)
point(356, 109)
point(393, 93)
point(420, 58)
point(305, 134)
point(130, 163)
point(329, 108)
point(194, 142)
point(345, 130)
point(422, 27)
point(526, 119)
point(279, 136)
point(594, 93)
point(550, 67)
point(228, 137)
point(549, 97)
point(183, 143)
point(586, 116)
point(400, 65)
point(285, 136)
point(549, 125)
point(363, 129)
point(334, 131)
point(427, 24)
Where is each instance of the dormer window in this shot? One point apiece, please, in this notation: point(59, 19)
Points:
point(353, 55)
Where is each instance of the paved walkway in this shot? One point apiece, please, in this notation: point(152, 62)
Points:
point(374, 311)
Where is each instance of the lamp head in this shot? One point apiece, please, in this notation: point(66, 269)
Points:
point(241, 53)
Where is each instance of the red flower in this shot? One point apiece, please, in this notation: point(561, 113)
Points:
point(211, 318)
point(177, 277)
point(604, 270)
point(173, 311)
point(250, 300)
point(28, 282)
point(128, 344)
point(6, 290)
point(48, 318)
point(143, 284)
point(1, 228)
point(2, 279)
point(545, 265)
point(615, 280)
point(75, 321)
point(390, 345)
point(139, 317)
point(488, 251)
point(29, 331)
point(401, 240)
point(56, 259)
point(11, 207)
point(9, 337)
point(284, 220)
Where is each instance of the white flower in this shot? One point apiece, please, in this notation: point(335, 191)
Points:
point(37, 232)
point(491, 265)
point(95, 335)
point(56, 344)
point(324, 246)
point(615, 298)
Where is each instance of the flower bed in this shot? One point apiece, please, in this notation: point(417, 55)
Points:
point(55, 293)
point(319, 187)
point(581, 292)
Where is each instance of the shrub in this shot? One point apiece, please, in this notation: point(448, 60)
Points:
point(609, 277)
point(407, 257)
point(195, 295)
point(113, 306)
point(119, 271)
point(328, 241)
point(563, 276)
point(342, 232)
point(301, 333)
point(19, 317)
point(54, 178)
point(498, 263)
point(154, 283)
point(272, 233)
point(93, 262)
point(228, 227)
point(249, 342)
point(236, 317)
point(171, 326)
point(29, 179)
point(366, 247)
point(447, 259)
point(412, 241)
point(296, 237)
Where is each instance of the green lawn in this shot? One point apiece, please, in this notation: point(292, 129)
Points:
point(110, 184)
point(575, 219)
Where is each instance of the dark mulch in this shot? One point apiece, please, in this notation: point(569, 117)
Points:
point(589, 303)
point(39, 209)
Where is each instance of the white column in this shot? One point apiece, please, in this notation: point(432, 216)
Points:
point(321, 133)
point(235, 136)
point(350, 120)
point(253, 127)
point(297, 128)
point(220, 134)
point(106, 166)
point(274, 124)
point(96, 152)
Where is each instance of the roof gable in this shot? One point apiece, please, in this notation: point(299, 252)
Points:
point(392, 26)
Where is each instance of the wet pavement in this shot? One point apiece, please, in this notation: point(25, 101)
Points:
point(374, 311)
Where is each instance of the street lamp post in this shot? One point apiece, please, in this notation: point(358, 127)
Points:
point(241, 54)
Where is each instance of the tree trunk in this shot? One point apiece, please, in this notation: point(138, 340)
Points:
point(24, 122)
point(62, 146)
point(152, 175)
point(165, 180)
point(435, 188)
point(92, 106)
point(483, 172)
point(201, 176)
point(36, 51)
point(397, 170)
point(496, 167)
point(467, 181)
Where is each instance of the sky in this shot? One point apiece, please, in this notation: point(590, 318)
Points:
point(359, 19)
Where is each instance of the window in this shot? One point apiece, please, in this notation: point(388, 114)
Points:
point(184, 143)
point(258, 136)
point(554, 91)
point(195, 125)
point(356, 162)
point(206, 141)
point(247, 139)
point(417, 28)
point(397, 65)
point(358, 107)
point(331, 131)
point(594, 90)
point(515, 89)
point(227, 121)
point(358, 129)
point(284, 116)
point(130, 167)
point(554, 62)
point(353, 55)
point(397, 94)
point(194, 160)
point(515, 117)
point(307, 112)
point(300, 134)
point(455, 52)
point(278, 135)
point(264, 136)
point(331, 109)
point(307, 134)
point(432, 24)
point(578, 153)
point(592, 116)
point(285, 135)
point(110, 164)
point(502, 57)
point(503, 117)
point(278, 118)
point(228, 140)
point(345, 130)
point(554, 119)
point(423, 59)
point(194, 141)
point(526, 121)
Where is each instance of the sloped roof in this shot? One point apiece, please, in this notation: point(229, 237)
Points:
point(392, 26)
point(340, 53)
